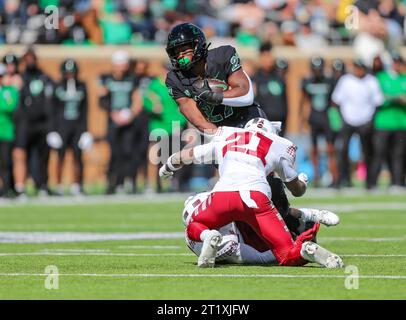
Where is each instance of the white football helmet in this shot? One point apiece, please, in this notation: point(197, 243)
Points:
point(261, 124)
point(191, 204)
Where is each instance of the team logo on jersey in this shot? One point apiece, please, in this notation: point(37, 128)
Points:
point(235, 62)
point(36, 87)
point(170, 91)
point(187, 93)
point(275, 88)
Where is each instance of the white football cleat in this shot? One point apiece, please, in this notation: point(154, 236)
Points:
point(325, 217)
point(210, 246)
point(315, 253)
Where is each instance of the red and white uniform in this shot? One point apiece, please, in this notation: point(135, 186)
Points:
point(245, 158)
point(233, 247)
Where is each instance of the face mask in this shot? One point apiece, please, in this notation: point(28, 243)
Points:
point(183, 62)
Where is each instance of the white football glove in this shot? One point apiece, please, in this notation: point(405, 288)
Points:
point(85, 141)
point(54, 140)
point(165, 173)
point(303, 177)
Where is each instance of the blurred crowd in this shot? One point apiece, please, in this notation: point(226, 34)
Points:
point(303, 24)
point(340, 101)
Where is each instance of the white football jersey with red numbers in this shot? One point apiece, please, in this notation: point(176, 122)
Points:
point(246, 157)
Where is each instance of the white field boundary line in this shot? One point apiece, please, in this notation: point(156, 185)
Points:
point(66, 237)
point(154, 275)
point(118, 254)
point(11, 254)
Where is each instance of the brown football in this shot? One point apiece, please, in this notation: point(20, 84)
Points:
point(214, 84)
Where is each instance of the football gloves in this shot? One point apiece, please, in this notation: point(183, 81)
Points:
point(165, 173)
point(205, 94)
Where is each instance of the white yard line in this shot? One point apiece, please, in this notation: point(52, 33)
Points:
point(131, 254)
point(66, 237)
point(56, 237)
point(383, 239)
point(374, 255)
point(153, 275)
point(149, 247)
point(10, 254)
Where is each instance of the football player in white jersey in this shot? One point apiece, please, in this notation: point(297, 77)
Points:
point(240, 244)
point(245, 158)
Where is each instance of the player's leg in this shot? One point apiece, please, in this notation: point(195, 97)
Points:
point(366, 134)
point(380, 144)
point(218, 210)
point(112, 178)
point(331, 153)
point(270, 225)
point(314, 156)
point(59, 164)
point(398, 154)
point(77, 187)
point(19, 157)
point(344, 169)
point(323, 216)
point(38, 161)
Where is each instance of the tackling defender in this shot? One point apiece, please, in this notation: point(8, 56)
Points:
point(245, 158)
point(240, 244)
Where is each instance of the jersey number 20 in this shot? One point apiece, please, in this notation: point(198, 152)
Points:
point(255, 144)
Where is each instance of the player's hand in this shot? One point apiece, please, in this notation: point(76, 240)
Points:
point(303, 177)
point(165, 173)
point(207, 95)
point(54, 140)
point(85, 141)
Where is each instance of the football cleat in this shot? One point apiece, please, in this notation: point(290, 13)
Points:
point(211, 244)
point(325, 217)
point(315, 253)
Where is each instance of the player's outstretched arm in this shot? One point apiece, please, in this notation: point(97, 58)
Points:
point(199, 154)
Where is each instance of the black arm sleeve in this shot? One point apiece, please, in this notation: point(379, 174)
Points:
point(173, 87)
point(104, 101)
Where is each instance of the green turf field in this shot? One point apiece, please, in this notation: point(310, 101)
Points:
point(122, 254)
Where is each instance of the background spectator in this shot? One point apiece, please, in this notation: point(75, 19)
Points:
point(358, 95)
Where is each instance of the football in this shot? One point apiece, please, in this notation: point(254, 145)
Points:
point(214, 84)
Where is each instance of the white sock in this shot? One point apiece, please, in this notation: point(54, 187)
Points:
point(204, 234)
point(306, 214)
point(19, 188)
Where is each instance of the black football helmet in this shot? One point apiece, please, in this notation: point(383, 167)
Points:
point(69, 66)
point(282, 64)
point(10, 58)
point(338, 65)
point(317, 63)
point(183, 34)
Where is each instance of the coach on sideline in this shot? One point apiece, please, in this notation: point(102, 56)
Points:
point(357, 94)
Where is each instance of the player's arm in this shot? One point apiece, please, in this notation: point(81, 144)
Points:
point(304, 101)
point(199, 154)
point(297, 186)
point(241, 93)
point(296, 183)
point(189, 109)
